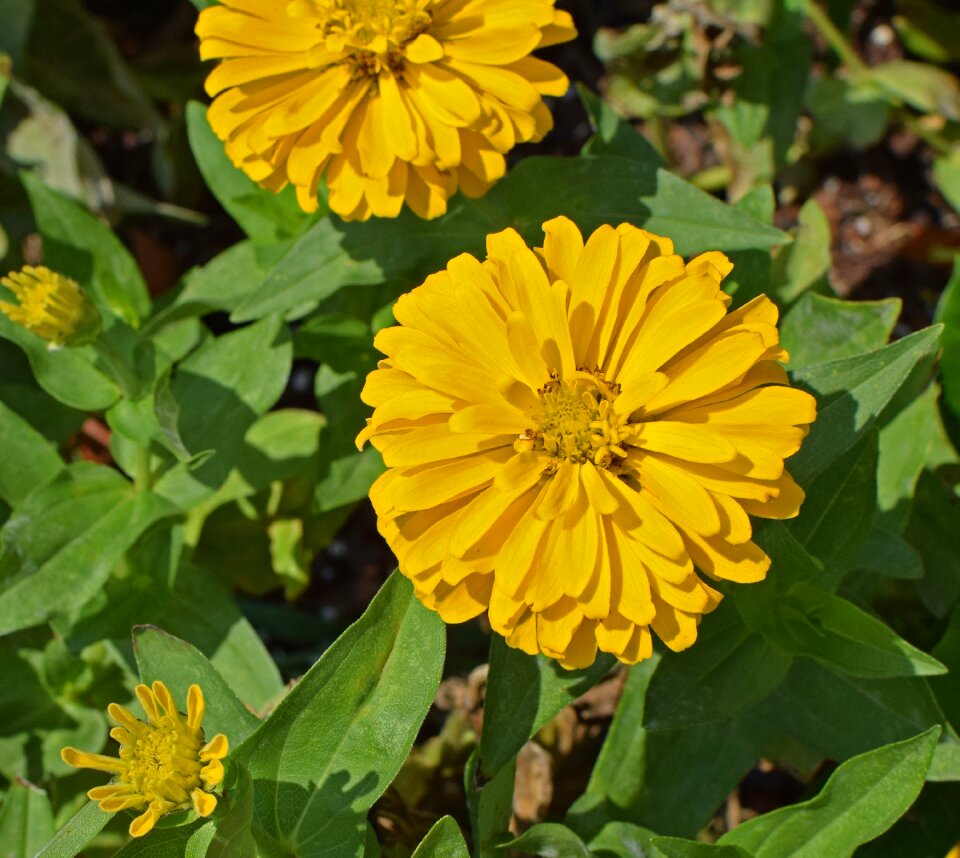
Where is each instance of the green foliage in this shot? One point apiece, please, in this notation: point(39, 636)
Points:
point(229, 406)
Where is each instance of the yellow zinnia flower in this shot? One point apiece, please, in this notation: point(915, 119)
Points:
point(164, 765)
point(568, 430)
point(52, 306)
point(395, 100)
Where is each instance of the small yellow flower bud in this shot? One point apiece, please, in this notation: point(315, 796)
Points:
point(52, 306)
point(164, 764)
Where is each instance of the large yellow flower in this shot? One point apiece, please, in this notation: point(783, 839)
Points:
point(395, 100)
point(164, 763)
point(569, 430)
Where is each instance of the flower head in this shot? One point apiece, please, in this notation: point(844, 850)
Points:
point(392, 100)
point(163, 765)
point(569, 431)
point(49, 304)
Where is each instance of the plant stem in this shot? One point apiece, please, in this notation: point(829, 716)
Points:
point(142, 477)
point(836, 39)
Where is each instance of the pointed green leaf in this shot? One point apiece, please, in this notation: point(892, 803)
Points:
point(78, 245)
point(37, 459)
point(262, 214)
point(65, 538)
point(550, 840)
point(26, 820)
point(860, 801)
point(337, 740)
point(818, 624)
point(730, 669)
point(178, 665)
point(82, 827)
point(675, 847)
point(523, 693)
point(443, 841)
point(853, 393)
point(819, 328)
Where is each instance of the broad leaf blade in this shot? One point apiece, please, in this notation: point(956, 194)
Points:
point(336, 741)
point(523, 693)
point(862, 799)
point(178, 665)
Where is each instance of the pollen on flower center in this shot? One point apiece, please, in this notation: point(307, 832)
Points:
point(577, 421)
point(372, 32)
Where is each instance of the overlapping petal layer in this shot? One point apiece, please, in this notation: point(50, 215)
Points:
point(572, 431)
point(391, 101)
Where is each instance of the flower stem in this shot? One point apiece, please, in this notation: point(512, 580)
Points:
point(836, 39)
point(142, 476)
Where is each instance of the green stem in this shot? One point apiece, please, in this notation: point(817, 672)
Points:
point(836, 39)
point(142, 476)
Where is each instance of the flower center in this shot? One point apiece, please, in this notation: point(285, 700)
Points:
point(371, 32)
point(163, 764)
point(577, 421)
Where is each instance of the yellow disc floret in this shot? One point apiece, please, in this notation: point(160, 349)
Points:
point(164, 764)
point(578, 422)
point(52, 306)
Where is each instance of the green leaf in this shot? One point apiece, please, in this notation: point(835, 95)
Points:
point(443, 841)
point(805, 263)
point(37, 460)
point(336, 741)
point(946, 175)
point(905, 446)
point(19, 392)
point(65, 539)
point(490, 805)
point(179, 665)
point(929, 30)
point(932, 530)
point(68, 375)
point(83, 826)
point(835, 631)
point(229, 834)
point(668, 780)
point(860, 801)
point(923, 86)
point(729, 670)
point(839, 715)
point(947, 687)
point(550, 840)
point(238, 377)
point(846, 113)
point(613, 135)
point(887, 553)
point(19, 15)
point(75, 243)
point(262, 214)
point(622, 840)
point(838, 509)
point(853, 394)
point(948, 314)
point(26, 820)
point(160, 843)
point(592, 191)
point(188, 602)
point(675, 847)
point(819, 328)
point(523, 693)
